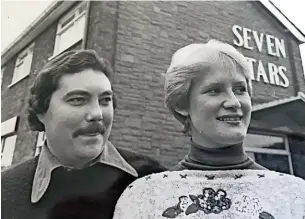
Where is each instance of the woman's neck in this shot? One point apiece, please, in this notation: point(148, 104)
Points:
point(225, 156)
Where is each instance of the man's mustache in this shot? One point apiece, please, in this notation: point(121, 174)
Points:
point(92, 128)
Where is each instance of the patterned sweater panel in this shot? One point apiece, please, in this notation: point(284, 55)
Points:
point(230, 194)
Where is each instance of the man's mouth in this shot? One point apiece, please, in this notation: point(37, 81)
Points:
point(91, 133)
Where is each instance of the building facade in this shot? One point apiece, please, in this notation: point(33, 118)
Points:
point(139, 38)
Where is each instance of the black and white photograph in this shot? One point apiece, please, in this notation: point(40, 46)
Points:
point(153, 109)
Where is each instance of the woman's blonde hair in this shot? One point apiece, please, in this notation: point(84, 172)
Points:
point(193, 60)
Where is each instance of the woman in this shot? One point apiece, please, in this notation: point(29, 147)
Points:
point(208, 89)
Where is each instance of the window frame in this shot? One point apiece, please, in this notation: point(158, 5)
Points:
point(2, 73)
point(4, 149)
point(283, 152)
point(60, 30)
point(21, 59)
point(11, 133)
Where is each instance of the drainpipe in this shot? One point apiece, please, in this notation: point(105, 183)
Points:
point(85, 37)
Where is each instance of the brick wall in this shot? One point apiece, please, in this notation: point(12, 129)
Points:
point(102, 29)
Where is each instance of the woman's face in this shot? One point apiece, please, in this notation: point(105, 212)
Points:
point(219, 108)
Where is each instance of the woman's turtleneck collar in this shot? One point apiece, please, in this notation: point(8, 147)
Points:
point(203, 158)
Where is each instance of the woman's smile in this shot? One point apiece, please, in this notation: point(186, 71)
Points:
point(231, 119)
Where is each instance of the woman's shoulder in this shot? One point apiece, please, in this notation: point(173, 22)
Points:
point(221, 176)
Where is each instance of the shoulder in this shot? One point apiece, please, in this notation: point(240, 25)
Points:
point(285, 185)
point(290, 180)
point(19, 173)
point(17, 182)
point(143, 164)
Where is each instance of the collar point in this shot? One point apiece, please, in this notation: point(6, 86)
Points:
point(34, 199)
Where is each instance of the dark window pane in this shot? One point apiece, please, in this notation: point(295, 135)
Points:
point(67, 21)
point(273, 162)
point(297, 145)
point(297, 148)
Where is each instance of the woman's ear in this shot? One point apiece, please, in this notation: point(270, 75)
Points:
point(183, 112)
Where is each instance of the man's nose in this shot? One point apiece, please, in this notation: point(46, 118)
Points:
point(232, 101)
point(95, 113)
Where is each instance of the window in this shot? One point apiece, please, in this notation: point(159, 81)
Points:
point(70, 29)
point(271, 151)
point(23, 64)
point(2, 72)
point(39, 143)
point(7, 150)
point(8, 141)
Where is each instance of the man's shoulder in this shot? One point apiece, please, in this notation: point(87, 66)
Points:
point(143, 164)
point(19, 173)
point(16, 185)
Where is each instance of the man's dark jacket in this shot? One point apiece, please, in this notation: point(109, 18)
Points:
point(95, 189)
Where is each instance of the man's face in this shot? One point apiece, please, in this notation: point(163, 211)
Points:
point(79, 118)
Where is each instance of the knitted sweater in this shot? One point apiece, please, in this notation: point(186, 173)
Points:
point(77, 194)
point(222, 194)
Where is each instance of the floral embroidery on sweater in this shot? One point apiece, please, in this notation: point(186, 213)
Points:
point(210, 201)
point(265, 215)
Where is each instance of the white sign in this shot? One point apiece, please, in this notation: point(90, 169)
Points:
point(268, 73)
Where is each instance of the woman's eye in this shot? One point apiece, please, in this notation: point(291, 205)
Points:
point(241, 89)
point(105, 101)
point(214, 90)
point(77, 100)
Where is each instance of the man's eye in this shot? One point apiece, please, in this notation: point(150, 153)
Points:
point(105, 100)
point(77, 100)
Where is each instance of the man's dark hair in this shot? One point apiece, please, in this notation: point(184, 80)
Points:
point(48, 78)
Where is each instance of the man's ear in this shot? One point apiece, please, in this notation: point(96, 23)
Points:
point(183, 112)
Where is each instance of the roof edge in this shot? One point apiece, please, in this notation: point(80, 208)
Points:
point(277, 13)
point(301, 96)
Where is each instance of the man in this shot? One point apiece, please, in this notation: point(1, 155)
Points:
point(79, 173)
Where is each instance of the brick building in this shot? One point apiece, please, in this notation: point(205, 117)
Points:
point(139, 38)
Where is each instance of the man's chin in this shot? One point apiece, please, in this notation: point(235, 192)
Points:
point(89, 146)
point(89, 153)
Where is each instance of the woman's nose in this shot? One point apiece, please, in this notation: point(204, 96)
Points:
point(232, 101)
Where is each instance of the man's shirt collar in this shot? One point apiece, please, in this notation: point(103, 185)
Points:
point(47, 163)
